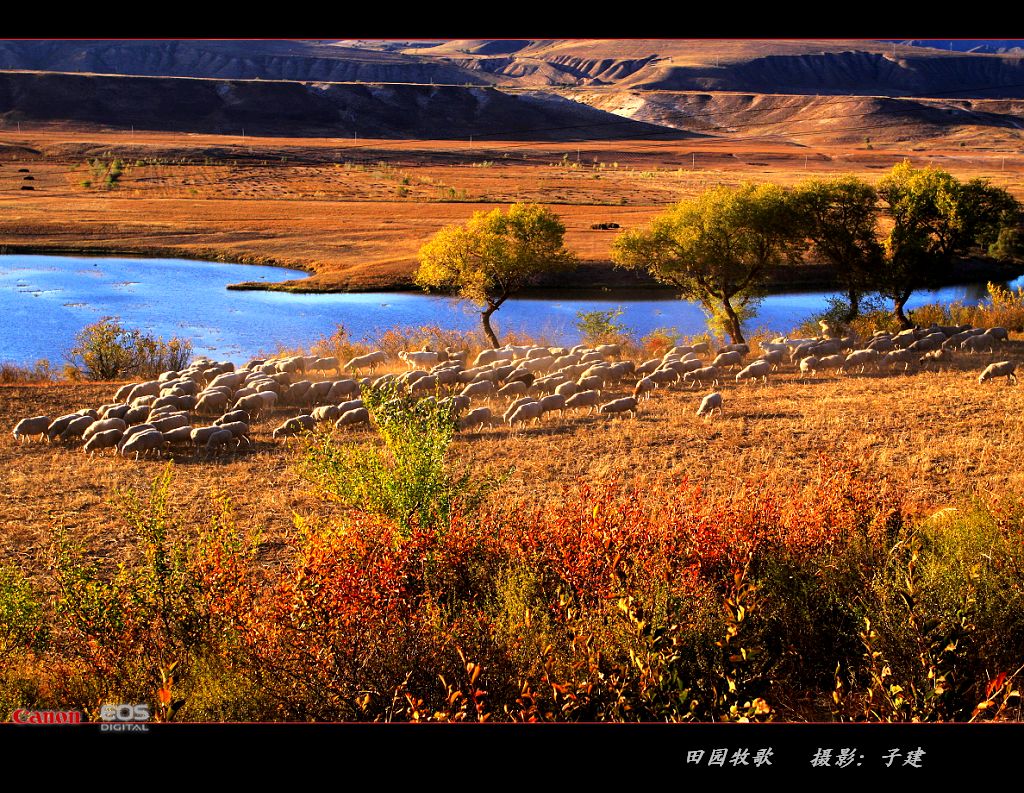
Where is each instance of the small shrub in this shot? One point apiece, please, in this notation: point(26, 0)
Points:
point(105, 350)
point(600, 327)
point(411, 479)
point(41, 372)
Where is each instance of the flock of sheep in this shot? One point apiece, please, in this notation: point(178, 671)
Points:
point(510, 386)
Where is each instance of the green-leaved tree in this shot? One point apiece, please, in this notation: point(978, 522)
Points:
point(840, 218)
point(494, 255)
point(935, 218)
point(717, 248)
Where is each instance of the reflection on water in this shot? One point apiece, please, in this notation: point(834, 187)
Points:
point(46, 300)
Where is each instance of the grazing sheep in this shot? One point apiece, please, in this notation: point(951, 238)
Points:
point(102, 425)
point(567, 389)
point(326, 413)
point(316, 394)
point(515, 406)
point(121, 395)
point(553, 402)
point(26, 428)
point(706, 374)
point(211, 402)
point(515, 388)
point(424, 358)
point(648, 367)
point(217, 440)
point(353, 417)
point(999, 333)
point(200, 435)
point(728, 358)
point(906, 357)
point(131, 432)
point(1000, 369)
point(881, 343)
point(295, 426)
point(644, 388)
point(936, 356)
point(179, 435)
point(861, 358)
point(76, 427)
point(624, 405)
point(529, 411)
point(592, 382)
point(234, 415)
point(709, 404)
point(107, 439)
point(809, 365)
point(983, 341)
point(928, 343)
point(483, 388)
point(142, 443)
point(756, 370)
point(369, 361)
point(171, 422)
point(609, 350)
point(237, 428)
point(476, 418)
point(114, 411)
point(342, 388)
point(581, 399)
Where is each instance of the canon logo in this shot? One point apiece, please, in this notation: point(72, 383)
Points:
point(22, 716)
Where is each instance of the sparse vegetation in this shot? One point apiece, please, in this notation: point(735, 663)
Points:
point(105, 350)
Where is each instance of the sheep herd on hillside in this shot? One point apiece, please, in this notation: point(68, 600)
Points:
point(509, 386)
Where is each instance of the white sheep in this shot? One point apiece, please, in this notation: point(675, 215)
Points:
point(581, 399)
point(353, 417)
point(754, 371)
point(1001, 369)
point(217, 440)
point(483, 388)
point(102, 425)
point(728, 358)
point(368, 361)
point(623, 405)
point(295, 426)
point(105, 439)
point(709, 404)
point(706, 374)
point(861, 358)
point(476, 418)
point(26, 428)
point(529, 411)
point(142, 443)
point(553, 402)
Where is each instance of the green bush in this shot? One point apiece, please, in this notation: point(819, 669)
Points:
point(410, 479)
point(105, 350)
point(599, 327)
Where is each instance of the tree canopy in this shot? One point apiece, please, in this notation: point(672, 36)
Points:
point(840, 219)
point(717, 248)
point(494, 255)
point(935, 218)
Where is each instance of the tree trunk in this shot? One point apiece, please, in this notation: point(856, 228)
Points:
point(733, 322)
point(485, 317)
point(897, 309)
point(854, 297)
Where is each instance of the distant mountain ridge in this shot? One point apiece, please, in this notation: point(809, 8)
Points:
point(574, 88)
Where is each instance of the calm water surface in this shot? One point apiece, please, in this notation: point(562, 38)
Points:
point(46, 300)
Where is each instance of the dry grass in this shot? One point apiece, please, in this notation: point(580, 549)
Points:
point(940, 436)
point(354, 214)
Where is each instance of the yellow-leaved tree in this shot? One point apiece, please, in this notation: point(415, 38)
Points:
point(494, 255)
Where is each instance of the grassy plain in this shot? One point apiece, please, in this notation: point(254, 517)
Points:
point(354, 213)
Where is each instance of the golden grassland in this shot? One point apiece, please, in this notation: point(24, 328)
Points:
point(354, 213)
point(940, 437)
